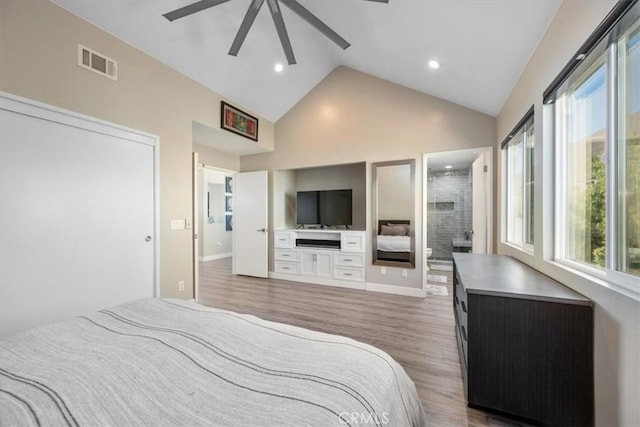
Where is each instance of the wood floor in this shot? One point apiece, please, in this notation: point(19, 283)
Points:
point(417, 332)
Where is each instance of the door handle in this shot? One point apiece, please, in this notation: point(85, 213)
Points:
point(262, 230)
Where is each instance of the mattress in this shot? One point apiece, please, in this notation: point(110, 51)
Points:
point(162, 362)
point(394, 243)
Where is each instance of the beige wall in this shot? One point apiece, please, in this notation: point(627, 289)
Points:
point(38, 60)
point(220, 159)
point(617, 317)
point(353, 117)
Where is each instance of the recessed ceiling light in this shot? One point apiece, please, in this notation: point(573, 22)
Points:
point(434, 65)
point(448, 167)
point(278, 67)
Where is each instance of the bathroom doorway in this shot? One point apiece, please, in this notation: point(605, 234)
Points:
point(457, 208)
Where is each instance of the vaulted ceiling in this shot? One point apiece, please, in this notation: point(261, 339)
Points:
point(483, 45)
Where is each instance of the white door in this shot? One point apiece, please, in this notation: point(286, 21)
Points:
point(479, 207)
point(250, 217)
point(195, 220)
point(77, 215)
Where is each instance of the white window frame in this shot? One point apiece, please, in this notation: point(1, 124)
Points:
point(506, 201)
point(609, 272)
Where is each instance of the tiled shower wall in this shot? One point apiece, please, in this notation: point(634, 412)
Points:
point(449, 210)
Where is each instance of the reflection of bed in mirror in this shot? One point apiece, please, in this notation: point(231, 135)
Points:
point(393, 240)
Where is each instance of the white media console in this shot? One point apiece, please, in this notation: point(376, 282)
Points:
point(326, 257)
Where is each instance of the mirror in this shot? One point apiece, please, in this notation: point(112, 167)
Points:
point(393, 213)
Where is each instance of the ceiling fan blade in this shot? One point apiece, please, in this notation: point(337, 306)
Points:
point(247, 22)
point(276, 14)
point(192, 8)
point(304, 13)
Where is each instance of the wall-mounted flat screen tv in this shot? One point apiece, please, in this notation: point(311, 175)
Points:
point(327, 207)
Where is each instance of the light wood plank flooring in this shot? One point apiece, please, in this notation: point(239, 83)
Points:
point(418, 333)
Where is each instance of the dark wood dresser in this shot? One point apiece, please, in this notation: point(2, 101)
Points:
point(525, 341)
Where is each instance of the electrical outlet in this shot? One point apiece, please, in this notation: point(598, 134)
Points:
point(405, 272)
point(383, 271)
point(181, 286)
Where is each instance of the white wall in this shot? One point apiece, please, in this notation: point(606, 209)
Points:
point(617, 316)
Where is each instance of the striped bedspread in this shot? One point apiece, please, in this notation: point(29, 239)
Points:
point(162, 362)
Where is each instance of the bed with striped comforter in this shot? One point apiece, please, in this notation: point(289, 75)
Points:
point(163, 362)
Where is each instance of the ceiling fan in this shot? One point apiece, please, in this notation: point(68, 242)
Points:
point(274, 8)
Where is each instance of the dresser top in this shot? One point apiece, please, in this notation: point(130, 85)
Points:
point(501, 275)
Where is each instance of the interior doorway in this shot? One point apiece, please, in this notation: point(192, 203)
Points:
point(213, 217)
point(458, 200)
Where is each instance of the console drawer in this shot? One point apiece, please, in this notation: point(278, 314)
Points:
point(350, 260)
point(286, 267)
point(353, 274)
point(286, 255)
point(352, 242)
point(284, 239)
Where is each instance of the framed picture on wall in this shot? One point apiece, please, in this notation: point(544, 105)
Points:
point(229, 223)
point(238, 122)
point(228, 203)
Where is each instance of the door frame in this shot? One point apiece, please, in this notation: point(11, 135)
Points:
point(490, 196)
point(38, 109)
point(195, 263)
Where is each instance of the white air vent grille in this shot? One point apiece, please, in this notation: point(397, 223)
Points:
point(97, 62)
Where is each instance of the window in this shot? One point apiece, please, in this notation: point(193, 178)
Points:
point(518, 161)
point(597, 147)
point(629, 151)
point(583, 106)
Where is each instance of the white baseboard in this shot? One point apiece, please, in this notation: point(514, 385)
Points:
point(397, 290)
point(317, 281)
point(214, 257)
